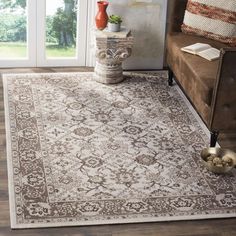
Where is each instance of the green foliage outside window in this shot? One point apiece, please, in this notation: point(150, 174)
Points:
point(60, 28)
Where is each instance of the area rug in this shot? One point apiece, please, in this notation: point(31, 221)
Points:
point(84, 153)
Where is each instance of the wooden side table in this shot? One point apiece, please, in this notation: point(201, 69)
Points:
point(111, 50)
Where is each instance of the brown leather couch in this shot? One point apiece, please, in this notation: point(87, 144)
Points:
point(210, 86)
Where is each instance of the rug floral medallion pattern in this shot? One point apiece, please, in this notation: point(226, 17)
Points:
point(81, 152)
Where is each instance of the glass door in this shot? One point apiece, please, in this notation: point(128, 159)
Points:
point(17, 33)
point(43, 33)
point(62, 33)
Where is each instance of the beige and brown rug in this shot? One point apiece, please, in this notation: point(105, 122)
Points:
point(82, 153)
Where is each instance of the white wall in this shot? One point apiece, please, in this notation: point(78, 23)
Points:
point(147, 21)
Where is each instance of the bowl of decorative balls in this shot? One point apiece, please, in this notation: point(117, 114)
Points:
point(218, 160)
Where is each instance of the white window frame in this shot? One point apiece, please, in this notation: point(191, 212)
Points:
point(30, 60)
point(91, 47)
point(36, 50)
point(80, 58)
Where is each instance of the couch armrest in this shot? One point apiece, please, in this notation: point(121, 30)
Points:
point(223, 113)
point(177, 15)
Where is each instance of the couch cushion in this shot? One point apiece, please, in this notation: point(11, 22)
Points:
point(215, 19)
point(196, 75)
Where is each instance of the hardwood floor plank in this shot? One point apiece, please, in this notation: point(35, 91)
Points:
point(4, 214)
point(183, 228)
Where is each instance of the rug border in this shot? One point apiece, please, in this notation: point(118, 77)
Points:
point(12, 205)
point(124, 221)
point(195, 114)
point(11, 191)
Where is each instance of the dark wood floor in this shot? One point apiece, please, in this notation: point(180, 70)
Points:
point(217, 227)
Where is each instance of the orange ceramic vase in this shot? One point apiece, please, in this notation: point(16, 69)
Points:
point(101, 18)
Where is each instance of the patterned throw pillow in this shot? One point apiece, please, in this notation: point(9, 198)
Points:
point(214, 19)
